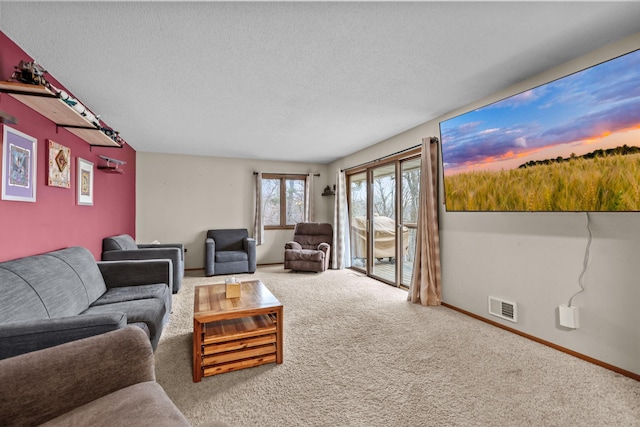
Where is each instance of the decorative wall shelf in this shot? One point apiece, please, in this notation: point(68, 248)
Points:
point(328, 191)
point(112, 165)
point(47, 103)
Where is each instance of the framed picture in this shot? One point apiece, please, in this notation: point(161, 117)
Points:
point(59, 166)
point(85, 182)
point(19, 165)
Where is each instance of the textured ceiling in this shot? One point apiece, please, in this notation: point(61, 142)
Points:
point(304, 81)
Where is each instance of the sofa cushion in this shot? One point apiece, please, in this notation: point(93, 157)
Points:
point(140, 404)
point(150, 311)
point(303, 255)
point(130, 293)
point(119, 243)
point(19, 300)
point(229, 240)
point(85, 266)
point(62, 280)
point(231, 256)
point(310, 234)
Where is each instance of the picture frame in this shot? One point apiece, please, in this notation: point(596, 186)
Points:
point(19, 165)
point(59, 166)
point(85, 182)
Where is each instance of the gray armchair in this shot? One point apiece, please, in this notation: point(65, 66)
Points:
point(310, 249)
point(123, 247)
point(229, 251)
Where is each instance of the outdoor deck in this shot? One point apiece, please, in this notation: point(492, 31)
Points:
point(386, 270)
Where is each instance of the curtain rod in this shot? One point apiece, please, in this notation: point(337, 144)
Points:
point(286, 174)
point(382, 158)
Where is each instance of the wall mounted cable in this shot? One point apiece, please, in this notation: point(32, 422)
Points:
point(585, 262)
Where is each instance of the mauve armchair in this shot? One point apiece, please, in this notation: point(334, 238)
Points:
point(229, 251)
point(310, 249)
point(123, 247)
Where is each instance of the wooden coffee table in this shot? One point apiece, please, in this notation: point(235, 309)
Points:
point(235, 333)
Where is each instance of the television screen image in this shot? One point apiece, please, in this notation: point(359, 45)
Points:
point(572, 144)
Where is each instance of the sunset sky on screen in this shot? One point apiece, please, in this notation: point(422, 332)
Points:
point(596, 108)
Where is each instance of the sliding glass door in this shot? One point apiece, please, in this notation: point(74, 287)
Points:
point(359, 224)
point(383, 203)
point(383, 222)
point(410, 191)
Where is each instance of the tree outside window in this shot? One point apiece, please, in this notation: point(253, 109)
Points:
point(283, 198)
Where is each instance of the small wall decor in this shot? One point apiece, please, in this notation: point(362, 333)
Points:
point(59, 165)
point(7, 118)
point(328, 191)
point(112, 165)
point(19, 165)
point(85, 182)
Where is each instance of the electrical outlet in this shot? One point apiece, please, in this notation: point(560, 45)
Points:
point(569, 316)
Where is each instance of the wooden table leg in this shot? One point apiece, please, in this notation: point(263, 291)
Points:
point(197, 351)
point(280, 335)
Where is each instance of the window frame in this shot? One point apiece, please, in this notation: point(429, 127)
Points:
point(283, 177)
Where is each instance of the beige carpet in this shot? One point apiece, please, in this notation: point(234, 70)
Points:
point(358, 354)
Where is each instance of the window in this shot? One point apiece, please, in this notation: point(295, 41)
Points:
point(283, 199)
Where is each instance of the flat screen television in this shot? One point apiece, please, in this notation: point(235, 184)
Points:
point(571, 145)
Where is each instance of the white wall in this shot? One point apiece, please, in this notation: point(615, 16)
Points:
point(180, 197)
point(535, 259)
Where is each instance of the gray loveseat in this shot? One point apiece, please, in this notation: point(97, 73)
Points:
point(65, 295)
point(105, 380)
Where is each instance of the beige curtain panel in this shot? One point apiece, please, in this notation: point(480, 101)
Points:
point(258, 226)
point(341, 248)
point(425, 287)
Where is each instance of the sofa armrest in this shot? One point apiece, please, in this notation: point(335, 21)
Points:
point(39, 386)
point(132, 273)
point(26, 336)
point(293, 245)
point(178, 246)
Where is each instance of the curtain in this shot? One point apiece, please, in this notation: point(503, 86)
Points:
point(425, 287)
point(258, 227)
point(309, 205)
point(341, 247)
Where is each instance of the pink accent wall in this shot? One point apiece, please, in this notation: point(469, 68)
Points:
point(55, 221)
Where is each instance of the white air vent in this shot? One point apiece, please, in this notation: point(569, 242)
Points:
point(504, 309)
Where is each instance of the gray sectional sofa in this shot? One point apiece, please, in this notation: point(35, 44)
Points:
point(65, 295)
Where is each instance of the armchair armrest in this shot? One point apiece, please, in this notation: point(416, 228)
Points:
point(42, 385)
point(133, 273)
point(210, 243)
point(249, 245)
point(324, 247)
point(209, 256)
point(293, 245)
point(174, 254)
point(178, 246)
point(26, 336)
